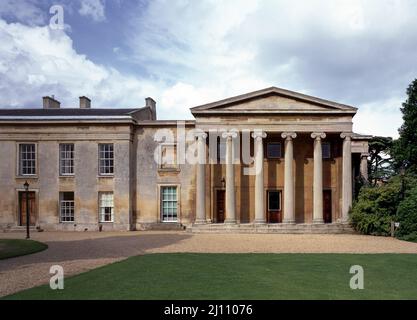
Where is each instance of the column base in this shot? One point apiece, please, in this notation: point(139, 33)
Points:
point(318, 221)
point(263, 221)
point(200, 221)
point(230, 221)
point(288, 222)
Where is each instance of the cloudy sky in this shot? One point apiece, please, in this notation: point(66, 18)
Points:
point(186, 52)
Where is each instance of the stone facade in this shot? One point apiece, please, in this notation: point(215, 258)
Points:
point(300, 185)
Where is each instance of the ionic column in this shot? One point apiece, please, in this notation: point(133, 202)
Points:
point(318, 178)
point(230, 178)
point(259, 176)
point(347, 175)
point(289, 213)
point(364, 167)
point(201, 178)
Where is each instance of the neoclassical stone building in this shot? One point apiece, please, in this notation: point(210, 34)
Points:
point(267, 161)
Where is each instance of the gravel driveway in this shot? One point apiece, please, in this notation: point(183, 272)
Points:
point(78, 252)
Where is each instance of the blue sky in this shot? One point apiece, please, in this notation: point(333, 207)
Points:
point(184, 53)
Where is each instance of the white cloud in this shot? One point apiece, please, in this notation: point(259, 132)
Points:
point(351, 51)
point(94, 9)
point(36, 61)
point(355, 52)
point(24, 11)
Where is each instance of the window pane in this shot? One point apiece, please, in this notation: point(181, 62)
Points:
point(326, 151)
point(169, 203)
point(27, 159)
point(106, 207)
point(66, 206)
point(106, 158)
point(273, 150)
point(66, 159)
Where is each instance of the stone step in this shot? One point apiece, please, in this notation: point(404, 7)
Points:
point(164, 227)
point(20, 229)
point(336, 228)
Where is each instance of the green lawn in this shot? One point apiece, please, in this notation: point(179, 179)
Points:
point(10, 248)
point(241, 276)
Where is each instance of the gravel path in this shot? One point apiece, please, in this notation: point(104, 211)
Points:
point(78, 252)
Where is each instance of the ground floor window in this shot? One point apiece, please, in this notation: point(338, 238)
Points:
point(169, 203)
point(66, 204)
point(106, 206)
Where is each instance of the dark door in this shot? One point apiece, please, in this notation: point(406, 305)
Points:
point(274, 206)
point(327, 206)
point(220, 205)
point(32, 208)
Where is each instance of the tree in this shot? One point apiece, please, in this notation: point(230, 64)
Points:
point(405, 148)
point(380, 161)
point(407, 216)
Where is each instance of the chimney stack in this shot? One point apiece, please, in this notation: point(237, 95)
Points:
point(51, 103)
point(85, 103)
point(152, 105)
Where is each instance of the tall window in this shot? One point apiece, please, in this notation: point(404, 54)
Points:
point(169, 204)
point(66, 159)
point(273, 150)
point(221, 151)
point(106, 159)
point(326, 150)
point(27, 159)
point(66, 206)
point(168, 157)
point(106, 207)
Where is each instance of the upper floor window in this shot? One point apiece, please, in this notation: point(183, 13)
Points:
point(66, 159)
point(273, 150)
point(168, 156)
point(326, 150)
point(106, 159)
point(27, 159)
point(221, 151)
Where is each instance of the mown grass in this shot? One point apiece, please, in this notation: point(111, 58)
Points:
point(241, 276)
point(10, 248)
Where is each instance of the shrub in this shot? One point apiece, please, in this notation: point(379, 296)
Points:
point(407, 216)
point(375, 208)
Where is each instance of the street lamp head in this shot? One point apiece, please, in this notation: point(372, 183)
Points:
point(26, 185)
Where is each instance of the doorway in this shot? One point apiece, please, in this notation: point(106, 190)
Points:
point(220, 205)
point(327, 206)
point(22, 208)
point(274, 206)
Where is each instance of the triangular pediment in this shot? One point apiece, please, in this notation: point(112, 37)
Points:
point(273, 100)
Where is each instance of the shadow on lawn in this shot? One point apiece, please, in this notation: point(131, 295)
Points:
point(109, 247)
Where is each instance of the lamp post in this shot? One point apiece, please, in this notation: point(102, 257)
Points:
point(26, 185)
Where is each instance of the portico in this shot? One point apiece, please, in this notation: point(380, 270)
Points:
point(301, 169)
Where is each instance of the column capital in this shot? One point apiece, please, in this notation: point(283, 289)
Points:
point(230, 134)
point(258, 134)
point(200, 134)
point(346, 135)
point(318, 135)
point(364, 155)
point(288, 135)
